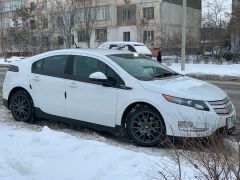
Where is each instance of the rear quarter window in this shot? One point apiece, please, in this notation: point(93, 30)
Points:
point(51, 66)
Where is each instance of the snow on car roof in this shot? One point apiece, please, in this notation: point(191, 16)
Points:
point(90, 51)
point(123, 42)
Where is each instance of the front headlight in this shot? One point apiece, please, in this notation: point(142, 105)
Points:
point(200, 105)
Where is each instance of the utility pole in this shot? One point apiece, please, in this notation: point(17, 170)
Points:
point(183, 50)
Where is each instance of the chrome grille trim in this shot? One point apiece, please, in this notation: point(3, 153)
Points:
point(222, 107)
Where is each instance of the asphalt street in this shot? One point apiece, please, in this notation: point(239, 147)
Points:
point(232, 88)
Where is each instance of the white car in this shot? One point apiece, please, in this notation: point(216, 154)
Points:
point(115, 91)
point(137, 47)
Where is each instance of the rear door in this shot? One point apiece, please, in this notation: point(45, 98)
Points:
point(48, 84)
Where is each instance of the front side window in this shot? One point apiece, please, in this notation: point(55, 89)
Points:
point(83, 66)
point(141, 67)
point(51, 66)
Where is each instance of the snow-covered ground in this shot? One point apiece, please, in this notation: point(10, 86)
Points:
point(30, 152)
point(8, 61)
point(207, 69)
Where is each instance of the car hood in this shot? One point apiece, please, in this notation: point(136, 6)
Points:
point(185, 87)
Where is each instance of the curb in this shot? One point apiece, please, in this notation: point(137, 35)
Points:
point(214, 77)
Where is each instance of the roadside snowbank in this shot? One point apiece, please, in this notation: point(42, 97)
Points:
point(207, 69)
point(47, 154)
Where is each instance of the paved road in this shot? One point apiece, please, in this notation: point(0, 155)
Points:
point(232, 88)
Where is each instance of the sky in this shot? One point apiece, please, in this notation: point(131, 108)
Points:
point(227, 3)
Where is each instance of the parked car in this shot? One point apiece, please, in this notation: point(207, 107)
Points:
point(115, 91)
point(137, 47)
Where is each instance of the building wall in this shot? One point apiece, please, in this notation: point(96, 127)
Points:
point(171, 24)
point(166, 23)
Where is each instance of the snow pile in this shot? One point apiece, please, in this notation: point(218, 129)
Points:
point(8, 61)
point(208, 69)
point(46, 154)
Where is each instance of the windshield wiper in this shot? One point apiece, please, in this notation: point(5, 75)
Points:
point(166, 75)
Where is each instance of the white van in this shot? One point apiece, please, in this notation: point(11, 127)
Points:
point(128, 46)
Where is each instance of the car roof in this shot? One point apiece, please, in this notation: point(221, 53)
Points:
point(123, 42)
point(104, 52)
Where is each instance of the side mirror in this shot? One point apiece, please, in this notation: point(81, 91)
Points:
point(98, 76)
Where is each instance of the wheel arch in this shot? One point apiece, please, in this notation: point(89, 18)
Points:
point(130, 107)
point(14, 90)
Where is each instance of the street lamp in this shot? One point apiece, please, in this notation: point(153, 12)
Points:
point(183, 49)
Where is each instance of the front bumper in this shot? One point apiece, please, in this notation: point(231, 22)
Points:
point(205, 123)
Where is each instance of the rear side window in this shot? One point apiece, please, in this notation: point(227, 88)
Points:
point(51, 66)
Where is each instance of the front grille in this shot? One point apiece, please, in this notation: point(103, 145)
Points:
point(222, 107)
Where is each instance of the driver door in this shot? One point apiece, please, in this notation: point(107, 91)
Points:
point(88, 100)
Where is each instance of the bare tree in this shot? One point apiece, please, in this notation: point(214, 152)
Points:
point(63, 14)
point(86, 17)
point(234, 28)
point(142, 22)
point(214, 26)
point(2, 39)
point(30, 33)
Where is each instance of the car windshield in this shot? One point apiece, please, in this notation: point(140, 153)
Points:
point(142, 67)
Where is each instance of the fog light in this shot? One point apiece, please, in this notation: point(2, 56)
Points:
point(189, 126)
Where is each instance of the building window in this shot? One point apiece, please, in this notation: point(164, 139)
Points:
point(148, 36)
point(126, 36)
point(45, 22)
point(45, 41)
point(44, 4)
point(101, 35)
point(60, 41)
point(59, 21)
point(126, 14)
point(103, 13)
point(148, 13)
point(81, 36)
point(33, 24)
point(73, 41)
point(32, 6)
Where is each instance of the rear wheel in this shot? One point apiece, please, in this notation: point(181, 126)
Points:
point(21, 106)
point(145, 126)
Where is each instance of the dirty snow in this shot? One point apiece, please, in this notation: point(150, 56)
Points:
point(42, 153)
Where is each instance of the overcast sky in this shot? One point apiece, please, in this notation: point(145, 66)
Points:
point(228, 4)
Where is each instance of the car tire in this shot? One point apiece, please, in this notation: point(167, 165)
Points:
point(21, 106)
point(145, 126)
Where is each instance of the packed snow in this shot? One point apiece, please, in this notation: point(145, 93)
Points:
point(38, 152)
point(207, 69)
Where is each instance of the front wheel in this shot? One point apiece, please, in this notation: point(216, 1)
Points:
point(145, 126)
point(21, 106)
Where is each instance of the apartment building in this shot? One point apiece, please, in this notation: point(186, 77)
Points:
point(157, 23)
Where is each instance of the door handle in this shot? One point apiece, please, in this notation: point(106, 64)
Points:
point(73, 85)
point(36, 78)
